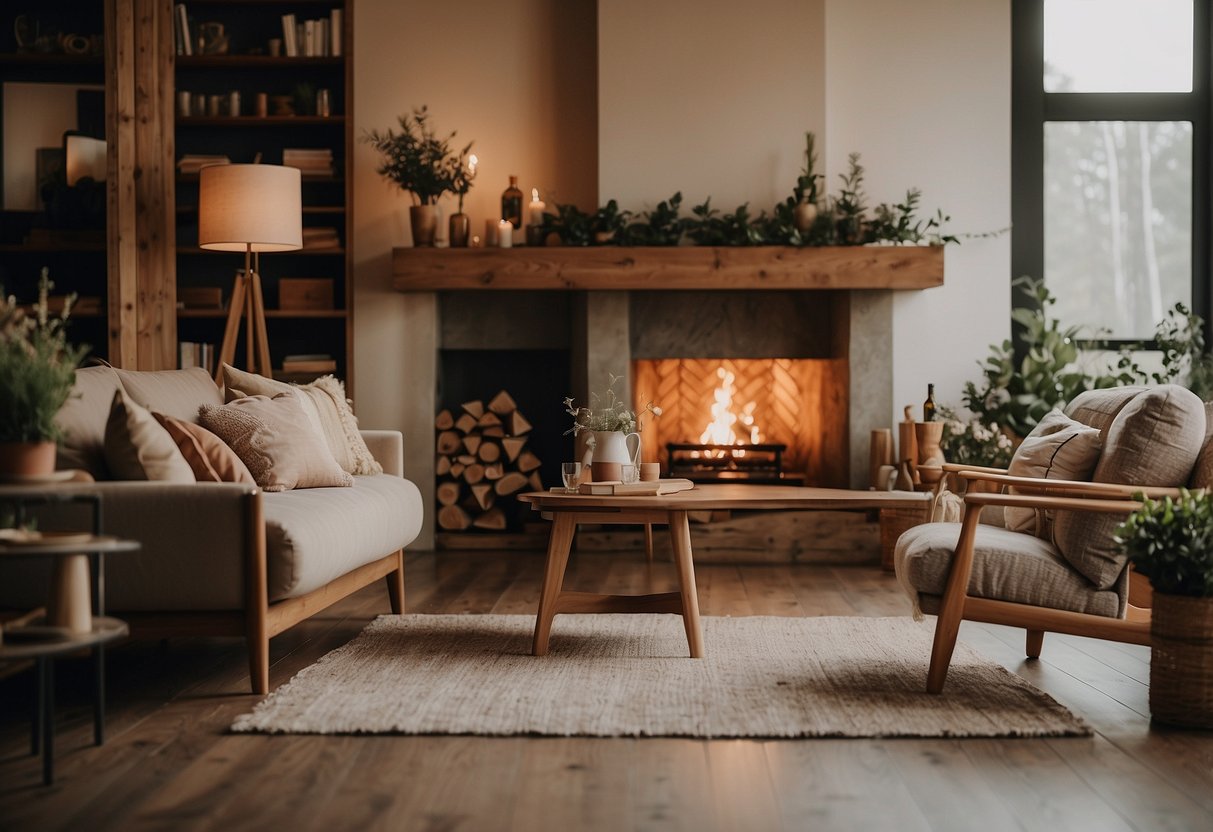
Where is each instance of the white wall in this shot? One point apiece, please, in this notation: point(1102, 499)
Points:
point(519, 79)
point(710, 97)
point(923, 92)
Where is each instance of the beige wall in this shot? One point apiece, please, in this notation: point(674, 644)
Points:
point(520, 79)
point(710, 97)
point(35, 115)
point(923, 92)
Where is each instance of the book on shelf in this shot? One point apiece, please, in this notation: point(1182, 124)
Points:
point(309, 363)
point(322, 237)
point(192, 163)
point(290, 44)
point(310, 161)
point(335, 24)
point(181, 30)
point(309, 38)
point(196, 354)
point(199, 297)
point(653, 488)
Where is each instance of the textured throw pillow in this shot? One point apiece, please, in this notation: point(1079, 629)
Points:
point(276, 440)
point(325, 403)
point(209, 458)
point(1154, 440)
point(138, 448)
point(1058, 448)
point(1202, 472)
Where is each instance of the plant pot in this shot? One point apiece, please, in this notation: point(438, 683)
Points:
point(424, 222)
point(1181, 661)
point(459, 226)
point(27, 459)
point(804, 216)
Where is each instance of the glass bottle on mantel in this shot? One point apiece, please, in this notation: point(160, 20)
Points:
point(928, 407)
point(511, 204)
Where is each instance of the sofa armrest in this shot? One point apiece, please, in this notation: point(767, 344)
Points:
point(387, 446)
point(197, 543)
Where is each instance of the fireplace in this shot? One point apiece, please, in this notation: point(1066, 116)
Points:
point(756, 420)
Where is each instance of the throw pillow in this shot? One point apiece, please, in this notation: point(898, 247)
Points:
point(1202, 472)
point(325, 403)
point(1058, 448)
point(275, 439)
point(210, 459)
point(137, 448)
point(1154, 440)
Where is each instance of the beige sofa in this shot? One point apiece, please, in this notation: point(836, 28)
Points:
point(222, 558)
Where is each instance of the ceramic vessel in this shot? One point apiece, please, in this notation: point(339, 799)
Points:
point(611, 452)
point(459, 225)
point(27, 459)
point(424, 222)
point(805, 216)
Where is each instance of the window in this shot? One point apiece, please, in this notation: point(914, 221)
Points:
point(1110, 158)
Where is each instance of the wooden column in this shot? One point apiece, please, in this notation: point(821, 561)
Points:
point(141, 227)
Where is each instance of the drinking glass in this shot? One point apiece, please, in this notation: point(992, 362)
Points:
point(570, 472)
point(629, 474)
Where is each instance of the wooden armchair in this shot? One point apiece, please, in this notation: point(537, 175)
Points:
point(1130, 624)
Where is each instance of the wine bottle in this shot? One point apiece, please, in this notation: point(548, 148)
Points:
point(511, 203)
point(928, 407)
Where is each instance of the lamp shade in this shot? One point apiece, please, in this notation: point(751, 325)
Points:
point(250, 207)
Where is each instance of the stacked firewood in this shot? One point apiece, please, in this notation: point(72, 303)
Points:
point(482, 461)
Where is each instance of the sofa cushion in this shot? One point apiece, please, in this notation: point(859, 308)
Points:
point(1202, 471)
point(137, 447)
point(177, 393)
point(207, 455)
point(326, 405)
point(276, 440)
point(1154, 440)
point(1007, 566)
point(317, 535)
point(82, 420)
point(1058, 448)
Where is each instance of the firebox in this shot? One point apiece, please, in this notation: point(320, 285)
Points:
point(754, 420)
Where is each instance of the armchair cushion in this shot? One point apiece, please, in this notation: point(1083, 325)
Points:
point(1099, 408)
point(1007, 566)
point(1202, 472)
point(1153, 440)
point(1058, 448)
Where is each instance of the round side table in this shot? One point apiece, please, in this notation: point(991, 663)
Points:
point(43, 644)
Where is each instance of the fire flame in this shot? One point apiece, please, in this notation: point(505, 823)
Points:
point(534, 194)
point(472, 162)
point(727, 426)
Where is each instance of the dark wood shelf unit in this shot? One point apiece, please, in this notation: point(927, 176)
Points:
point(327, 200)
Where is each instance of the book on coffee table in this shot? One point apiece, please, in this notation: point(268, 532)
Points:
point(653, 488)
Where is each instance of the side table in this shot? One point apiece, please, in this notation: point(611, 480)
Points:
point(28, 642)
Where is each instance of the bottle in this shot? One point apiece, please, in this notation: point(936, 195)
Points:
point(928, 407)
point(511, 204)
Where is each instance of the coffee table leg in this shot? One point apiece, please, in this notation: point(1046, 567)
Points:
point(559, 544)
point(680, 535)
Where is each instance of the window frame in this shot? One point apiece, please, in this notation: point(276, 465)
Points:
point(1032, 108)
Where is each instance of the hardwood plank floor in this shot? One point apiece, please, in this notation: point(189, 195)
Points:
point(170, 763)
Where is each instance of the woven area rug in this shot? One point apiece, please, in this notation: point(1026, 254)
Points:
point(628, 675)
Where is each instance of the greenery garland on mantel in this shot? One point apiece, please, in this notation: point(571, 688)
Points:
point(803, 219)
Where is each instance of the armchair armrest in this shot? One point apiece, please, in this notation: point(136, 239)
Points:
point(387, 446)
point(956, 468)
point(1068, 502)
point(1068, 487)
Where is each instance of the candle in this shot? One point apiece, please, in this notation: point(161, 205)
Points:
point(505, 234)
point(490, 232)
point(537, 208)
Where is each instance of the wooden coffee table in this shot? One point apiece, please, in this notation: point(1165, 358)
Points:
point(567, 510)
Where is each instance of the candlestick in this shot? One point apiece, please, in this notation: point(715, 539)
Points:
point(537, 208)
point(505, 234)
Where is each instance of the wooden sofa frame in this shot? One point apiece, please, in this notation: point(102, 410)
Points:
point(261, 620)
point(957, 605)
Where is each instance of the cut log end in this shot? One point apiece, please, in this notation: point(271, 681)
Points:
point(493, 519)
point(453, 518)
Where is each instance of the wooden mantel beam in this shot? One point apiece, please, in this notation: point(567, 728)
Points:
point(666, 268)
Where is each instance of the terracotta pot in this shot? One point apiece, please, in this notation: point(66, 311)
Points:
point(424, 221)
point(1181, 660)
point(459, 226)
point(27, 459)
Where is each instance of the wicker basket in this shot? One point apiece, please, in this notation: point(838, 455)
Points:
point(1181, 663)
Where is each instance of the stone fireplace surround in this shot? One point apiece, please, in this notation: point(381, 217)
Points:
point(604, 330)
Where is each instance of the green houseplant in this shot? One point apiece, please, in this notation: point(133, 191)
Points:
point(37, 372)
point(417, 161)
point(1170, 541)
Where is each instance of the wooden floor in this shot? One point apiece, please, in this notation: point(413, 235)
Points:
point(169, 763)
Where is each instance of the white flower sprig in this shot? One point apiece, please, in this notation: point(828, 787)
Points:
point(607, 412)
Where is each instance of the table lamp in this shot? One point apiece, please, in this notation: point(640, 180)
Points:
point(249, 208)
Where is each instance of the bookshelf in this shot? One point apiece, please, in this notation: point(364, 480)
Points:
point(69, 239)
point(247, 68)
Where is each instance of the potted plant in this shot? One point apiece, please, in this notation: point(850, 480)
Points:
point(1170, 541)
point(37, 372)
point(419, 162)
point(805, 192)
